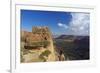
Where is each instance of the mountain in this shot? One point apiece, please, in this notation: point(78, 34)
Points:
point(74, 47)
point(82, 47)
point(65, 36)
point(73, 37)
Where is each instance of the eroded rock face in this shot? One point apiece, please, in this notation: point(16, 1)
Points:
point(37, 34)
point(41, 38)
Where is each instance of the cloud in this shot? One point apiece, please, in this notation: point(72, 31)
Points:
point(62, 25)
point(79, 24)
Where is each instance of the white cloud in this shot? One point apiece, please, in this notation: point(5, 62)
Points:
point(79, 24)
point(62, 25)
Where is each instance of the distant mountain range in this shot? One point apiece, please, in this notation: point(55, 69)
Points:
point(73, 37)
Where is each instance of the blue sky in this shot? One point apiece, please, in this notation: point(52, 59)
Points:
point(59, 23)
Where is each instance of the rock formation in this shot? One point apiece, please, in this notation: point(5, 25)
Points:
point(39, 43)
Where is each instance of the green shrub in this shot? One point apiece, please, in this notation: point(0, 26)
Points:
point(45, 53)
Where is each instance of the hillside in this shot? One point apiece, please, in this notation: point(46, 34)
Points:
point(74, 47)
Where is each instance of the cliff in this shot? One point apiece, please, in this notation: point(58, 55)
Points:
point(38, 44)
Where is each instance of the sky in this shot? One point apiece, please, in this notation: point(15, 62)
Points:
point(59, 23)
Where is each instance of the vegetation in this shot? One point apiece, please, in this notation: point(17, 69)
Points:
point(44, 54)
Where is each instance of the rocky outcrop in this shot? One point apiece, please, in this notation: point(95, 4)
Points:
point(38, 41)
point(37, 34)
